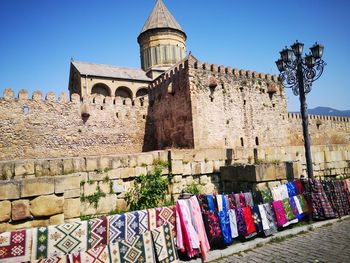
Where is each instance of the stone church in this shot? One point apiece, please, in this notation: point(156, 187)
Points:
point(162, 44)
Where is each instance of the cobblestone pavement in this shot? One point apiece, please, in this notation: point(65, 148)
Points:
point(330, 243)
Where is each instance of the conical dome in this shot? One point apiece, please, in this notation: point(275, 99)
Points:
point(161, 18)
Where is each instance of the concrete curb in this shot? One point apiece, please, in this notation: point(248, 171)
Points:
point(236, 248)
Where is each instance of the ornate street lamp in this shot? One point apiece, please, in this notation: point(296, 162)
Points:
point(298, 73)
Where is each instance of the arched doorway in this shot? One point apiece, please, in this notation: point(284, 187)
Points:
point(142, 92)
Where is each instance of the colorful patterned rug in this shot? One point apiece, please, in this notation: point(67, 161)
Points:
point(127, 226)
point(97, 232)
point(95, 255)
point(140, 249)
point(164, 244)
point(15, 246)
point(162, 215)
point(62, 259)
point(59, 240)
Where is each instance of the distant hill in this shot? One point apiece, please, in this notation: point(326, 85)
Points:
point(329, 111)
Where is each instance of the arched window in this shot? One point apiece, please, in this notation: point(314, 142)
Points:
point(123, 92)
point(102, 89)
point(142, 92)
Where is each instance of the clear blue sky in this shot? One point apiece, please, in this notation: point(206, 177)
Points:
point(38, 38)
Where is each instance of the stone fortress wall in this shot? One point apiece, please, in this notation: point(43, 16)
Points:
point(41, 128)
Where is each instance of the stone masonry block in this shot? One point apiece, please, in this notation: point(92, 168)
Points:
point(105, 187)
point(91, 163)
point(72, 208)
point(132, 160)
point(24, 168)
point(106, 204)
point(56, 167)
point(20, 210)
point(114, 173)
point(79, 164)
point(90, 188)
point(5, 211)
point(72, 193)
point(140, 170)
point(97, 176)
point(7, 170)
point(66, 182)
point(42, 168)
point(47, 205)
point(37, 186)
point(68, 166)
point(177, 167)
point(144, 159)
point(116, 163)
point(105, 162)
point(10, 190)
point(127, 173)
point(57, 219)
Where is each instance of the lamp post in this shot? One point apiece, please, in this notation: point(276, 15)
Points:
point(298, 73)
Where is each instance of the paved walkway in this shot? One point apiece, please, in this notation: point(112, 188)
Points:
point(330, 243)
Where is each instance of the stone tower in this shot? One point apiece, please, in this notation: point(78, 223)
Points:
point(162, 41)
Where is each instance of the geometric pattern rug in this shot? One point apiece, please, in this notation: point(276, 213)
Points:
point(139, 249)
point(162, 215)
point(127, 226)
point(62, 259)
point(95, 255)
point(15, 246)
point(59, 240)
point(164, 244)
point(97, 232)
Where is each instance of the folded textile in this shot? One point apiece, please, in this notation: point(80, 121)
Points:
point(163, 239)
point(237, 200)
point(283, 191)
point(257, 197)
point(264, 221)
point(242, 201)
point(303, 204)
point(271, 219)
point(257, 219)
point(241, 225)
point(162, 215)
point(279, 213)
point(299, 186)
point(59, 240)
point(126, 226)
point(200, 228)
point(15, 246)
point(188, 240)
point(266, 195)
point(298, 211)
point(97, 233)
point(249, 199)
point(139, 249)
point(288, 209)
point(292, 189)
point(94, 255)
point(276, 193)
point(224, 219)
point(233, 223)
point(322, 208)
point(211, 223)
point(248, 218)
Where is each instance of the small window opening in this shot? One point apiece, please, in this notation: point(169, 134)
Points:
point(256, 141)
point(117, 115)
point(144, 117)
point(244, 102)
point(113, 102)
point(242, 142)
point(318, 126)
point(227, 122)
point(241, 89)
point(133, 103)
point(273, 105)
point(101, 107)
point(124, 102)
point(141, 102)
point(25, 109)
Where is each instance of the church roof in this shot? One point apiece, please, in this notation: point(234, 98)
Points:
point(161, 18)
point(108, 71)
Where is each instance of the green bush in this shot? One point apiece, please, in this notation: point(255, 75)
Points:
point(148, 191)
point(194, 188)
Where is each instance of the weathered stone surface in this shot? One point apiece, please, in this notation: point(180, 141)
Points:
point(5, 211)
point(46, 205)
point(68, 166)
point(42, 168)
point(24, 168)
point(57, 219)
point(37, 186)
point(204, 179)
point(127, 172)
point(91, 164)
point(97, 176)
point(66, 182)
point(20, 210)
point(105, 187)
point(7, 170)
point(72, 208)
point(56, 167)
point(144, 159)
point(140, 170)
point(72, 193)
point(90, 188)
point(9, 190)
point(177, 167)
point(107, 204)
point(121, 205)
point(114, 173)
point(118, 186)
